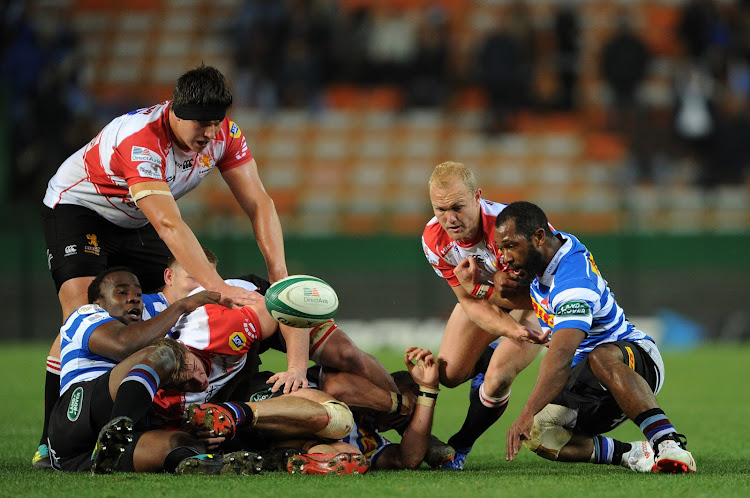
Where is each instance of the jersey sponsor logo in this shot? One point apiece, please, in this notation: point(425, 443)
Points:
point(237, 341)
point(93, 246)
point(574, 308)
point(75, 407)
point(540, 312)
point(594, 268)
point(149, 170)
point(631, 358)
point(250, 330)
point(89, 309)
point(144, 154)
point(234, 130)
point(71, 250)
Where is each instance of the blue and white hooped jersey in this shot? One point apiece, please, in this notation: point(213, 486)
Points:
point(77, 363)
point(572, 294)
point(369, 441)
point(153, 304)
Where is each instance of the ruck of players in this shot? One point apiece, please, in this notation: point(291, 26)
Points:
point(157, 366)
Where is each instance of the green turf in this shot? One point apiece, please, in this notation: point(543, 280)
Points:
point(702, 396)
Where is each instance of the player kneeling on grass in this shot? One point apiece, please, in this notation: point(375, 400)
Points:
point(599, 369)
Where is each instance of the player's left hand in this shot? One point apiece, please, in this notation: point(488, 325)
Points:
point(291, 380)
point(467, 273)
point(425, 372)
point(519, 431)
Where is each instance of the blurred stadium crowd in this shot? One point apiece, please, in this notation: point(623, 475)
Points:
point(583, 98)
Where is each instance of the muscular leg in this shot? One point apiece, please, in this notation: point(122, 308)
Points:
point(339, 352)
point(489, 401)
point(630, 390)
point(462, 344)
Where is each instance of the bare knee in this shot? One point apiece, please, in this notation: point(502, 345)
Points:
point(450, 376)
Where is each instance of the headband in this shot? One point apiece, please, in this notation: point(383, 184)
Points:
point(200, 112)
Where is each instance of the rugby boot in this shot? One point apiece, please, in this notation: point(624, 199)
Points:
point(328, 463)
point(110, 445)
point(214, 419)
point(673, 458)
point(438, 452)
point(41, 459)
point(243, 463)
point(459, 461)
point(275, 459)
point(640, 458)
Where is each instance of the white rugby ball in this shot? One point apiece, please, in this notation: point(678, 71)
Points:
point(302, 301)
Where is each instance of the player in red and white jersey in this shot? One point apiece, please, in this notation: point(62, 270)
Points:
point(460, 238)
point(114, 201)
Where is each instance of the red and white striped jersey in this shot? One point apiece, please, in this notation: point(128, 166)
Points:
point(138, 147)
point(219, 335)
point(444, 253)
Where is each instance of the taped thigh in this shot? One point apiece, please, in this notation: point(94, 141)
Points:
point(549, 433)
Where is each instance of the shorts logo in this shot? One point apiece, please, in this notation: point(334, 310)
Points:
point(237, 341)
point(49, 260)
point(144, 154)
point(574, 308)
point(93, 246)
point(71, 250)
point(76, 404)
point(261, 395)
point(149, 170)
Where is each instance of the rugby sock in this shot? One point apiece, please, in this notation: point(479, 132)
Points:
point(51, 393)
point(656, 427)
point(135, 393)
point(241, 413)
point(608, 450)
point(483, 412)
point(174, 457)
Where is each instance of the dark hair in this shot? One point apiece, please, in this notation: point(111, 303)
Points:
point(210, 256)
point(528, 218)
point(95, 287)
point(204, 85)
point(180, 351)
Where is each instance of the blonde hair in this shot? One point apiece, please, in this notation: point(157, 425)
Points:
point(446, 173)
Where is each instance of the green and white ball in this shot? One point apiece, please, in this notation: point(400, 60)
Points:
point(302, 301)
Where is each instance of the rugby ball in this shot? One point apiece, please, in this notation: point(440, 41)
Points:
point(302, 301)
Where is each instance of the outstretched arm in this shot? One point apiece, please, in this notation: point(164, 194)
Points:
point(410, 453)
point(248, 189)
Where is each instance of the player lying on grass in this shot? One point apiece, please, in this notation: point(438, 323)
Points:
point(364, 438)
point(599, 369)
point(210, 331)
point(100, 393)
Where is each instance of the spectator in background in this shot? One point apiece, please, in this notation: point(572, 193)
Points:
point(392, 45)
point(428, 74)
point(567, 32)
point(500, 67)
point(624, 63)
point(730, 157)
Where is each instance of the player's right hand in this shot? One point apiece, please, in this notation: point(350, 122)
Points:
point(199, 299)
point(509, 283)
point(236, 297)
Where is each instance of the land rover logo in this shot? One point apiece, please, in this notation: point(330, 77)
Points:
point(76, 402)
point(261, 395)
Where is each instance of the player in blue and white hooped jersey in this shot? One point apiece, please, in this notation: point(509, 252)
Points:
point(599, 369)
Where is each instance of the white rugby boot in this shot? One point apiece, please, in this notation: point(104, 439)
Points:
point(673, 458)
point(640, 458)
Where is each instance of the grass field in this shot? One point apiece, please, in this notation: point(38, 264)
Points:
point(702, 396)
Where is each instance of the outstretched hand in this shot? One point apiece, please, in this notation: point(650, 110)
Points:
point(518, 432)
point(425, 370)
point(199, 299)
